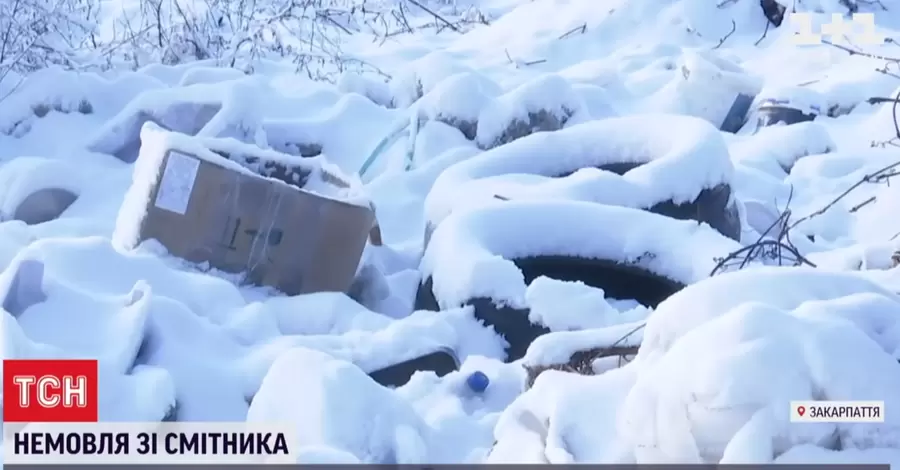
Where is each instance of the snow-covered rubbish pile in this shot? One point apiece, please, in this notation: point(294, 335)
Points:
point(589, 228)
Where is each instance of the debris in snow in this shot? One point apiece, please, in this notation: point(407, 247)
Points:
point(291, 223)
point(441, 362)
point(477, 381)
point(705, 86)
point(546, 103)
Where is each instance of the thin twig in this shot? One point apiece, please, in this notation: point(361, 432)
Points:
point(722, 41)
point(579, 29)
point(435, 15)
point(862, 204)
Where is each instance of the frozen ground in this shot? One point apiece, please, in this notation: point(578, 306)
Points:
point(718, 362)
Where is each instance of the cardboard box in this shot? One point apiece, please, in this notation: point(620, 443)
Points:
point(243, 209)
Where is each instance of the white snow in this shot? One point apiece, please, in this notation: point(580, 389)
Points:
point(483, 123)
point(692, 148)
point(469, 253)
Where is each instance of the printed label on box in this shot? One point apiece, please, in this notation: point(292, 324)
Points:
point(177, 183)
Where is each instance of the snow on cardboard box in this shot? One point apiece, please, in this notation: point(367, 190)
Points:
point(296, 224)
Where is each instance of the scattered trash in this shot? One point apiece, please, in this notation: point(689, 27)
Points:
point(296, 224)
point(709, 87)
point(441, 362)
point(478, 382)
point(737, 114)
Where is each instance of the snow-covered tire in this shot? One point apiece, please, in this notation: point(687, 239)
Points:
point(786, 106)
point(683, 173)
point(488, 256)
point(442, 362)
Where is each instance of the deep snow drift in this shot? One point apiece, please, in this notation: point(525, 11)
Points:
point(552, 128)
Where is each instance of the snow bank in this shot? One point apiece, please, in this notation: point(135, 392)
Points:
point(200, 75)
point(546, 103)
point(691, 149)
point(557, 347)
point(468, 255)
point(459, 100)
point(213, 346)
point(774, 150)
point(583, 306)
point(55, 89)
point(820, 179)
point(115, 324)
point(375, 90)
point(421, 76)
point(565, 418)
point(704, 86)
point(224, 109)
point(340, 408)
point(44, 318)
point(400, 197)
point(346, 130)
point(746, 365)
point(779, 287)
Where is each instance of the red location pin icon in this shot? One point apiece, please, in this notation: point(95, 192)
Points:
point(801, 410)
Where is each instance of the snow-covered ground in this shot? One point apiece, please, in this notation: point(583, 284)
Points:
point(443, 151)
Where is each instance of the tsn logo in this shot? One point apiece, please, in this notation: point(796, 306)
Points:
point(50, 390)
point(838, 31)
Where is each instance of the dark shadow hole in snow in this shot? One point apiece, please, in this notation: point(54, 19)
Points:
point(44, 205)
point(772, 115)
point(619, 281)
point(441, 362)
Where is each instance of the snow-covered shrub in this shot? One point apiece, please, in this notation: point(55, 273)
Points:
point(494, 257)
point(619, 161)
point(546, 103)
point(458, 100)
point(41, 33)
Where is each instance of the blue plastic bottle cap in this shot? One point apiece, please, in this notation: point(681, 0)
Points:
point(478, 382)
